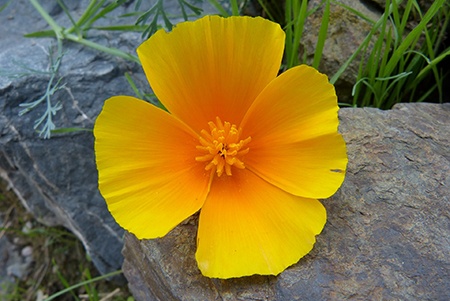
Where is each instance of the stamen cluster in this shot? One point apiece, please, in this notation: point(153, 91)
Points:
point(223, 147)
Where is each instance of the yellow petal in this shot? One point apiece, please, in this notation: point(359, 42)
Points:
point(146, 164)
point(248, 226)
point(212, 67)
point(295, 144)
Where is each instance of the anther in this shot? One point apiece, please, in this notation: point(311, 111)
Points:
point(222, 148)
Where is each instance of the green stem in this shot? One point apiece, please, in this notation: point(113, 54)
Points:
point(56, 28)
point(112, 51)
point(234, 8)
point(223, 12)
point(62, 292)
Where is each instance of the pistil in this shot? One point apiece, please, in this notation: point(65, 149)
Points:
point(222, 147)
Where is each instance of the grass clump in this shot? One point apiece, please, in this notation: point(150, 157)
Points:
point(401, 63)
point(401, 55)
point(60, 270)
point(399, 66)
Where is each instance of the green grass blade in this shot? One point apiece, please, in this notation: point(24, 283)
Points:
point(344, 66)
point(41, 34)
point(5, 5)
point(82, 283)
point(322, 35)
point(196, 10)
point(89, 12)
point(234, 8)
point(70, 130)
point(56, 28)
point(108, 50)
point(222, 11)
point(69, 15)
point(413, 35)
point(355, 12)
point(295, 21)
point(133, 86)
point(266, 9)
point(433, 63)
point(109, 8)
point(134, 28)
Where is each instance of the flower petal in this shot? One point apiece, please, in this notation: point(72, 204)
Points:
point(295, 144)
point(248, 226)
point(212, 67)
point(147, 170)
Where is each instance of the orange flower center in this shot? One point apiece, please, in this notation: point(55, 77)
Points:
point(222, 146)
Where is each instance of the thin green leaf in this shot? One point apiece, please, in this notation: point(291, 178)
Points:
point(102, 13)
point(296, 16)
point(41, 34)
point(56, 28)
point(135, 28)
point(322, 35)
point(5, 5)
point(90, 11)
point(222, 11)
point(70, 130)
point(69, 15)
point(109, 50)
point(413, 35)
point(196, 10)
point(234, 8)
point(433, 63)
point(355, 12)
point(82, 283)
point(263, 5)
point(369, 36)
point(133, 85)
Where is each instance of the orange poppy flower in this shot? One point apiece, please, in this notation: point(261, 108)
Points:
point(251, 150)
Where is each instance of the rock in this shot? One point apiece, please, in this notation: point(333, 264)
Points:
point(56, 179)
point(386, 238)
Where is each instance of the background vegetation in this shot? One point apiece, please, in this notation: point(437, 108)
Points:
point(405, 53)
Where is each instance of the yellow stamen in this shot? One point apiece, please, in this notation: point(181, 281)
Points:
point(222, 147)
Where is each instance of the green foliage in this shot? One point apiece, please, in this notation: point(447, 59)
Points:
point(61, 270)
point(96, 10)
point(400, 63)
point(91, 291)
point(397, 65)
point(44, 124)
point(157, 11)
point(295, 17)
point(296, 14)
point(146, 23)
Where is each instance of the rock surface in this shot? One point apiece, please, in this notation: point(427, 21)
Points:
point(386, 238)
point(56, 179)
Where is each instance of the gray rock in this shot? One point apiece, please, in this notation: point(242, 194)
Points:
point(56, 179)
point(386, 238)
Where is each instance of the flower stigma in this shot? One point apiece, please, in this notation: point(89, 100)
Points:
point(223, 147)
